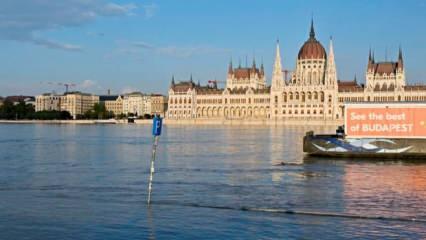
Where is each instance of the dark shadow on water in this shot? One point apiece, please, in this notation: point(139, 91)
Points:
point(307, 159)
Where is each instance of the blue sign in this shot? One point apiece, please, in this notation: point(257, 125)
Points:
point(157, 125)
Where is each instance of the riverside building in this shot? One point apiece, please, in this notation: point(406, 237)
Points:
point(312, 92)
point(76, 103)
point(113, 103)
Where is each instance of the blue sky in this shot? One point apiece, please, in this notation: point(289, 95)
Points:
point(138, 45)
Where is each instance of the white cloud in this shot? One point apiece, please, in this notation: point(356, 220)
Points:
point(142, 45)
point(150, 10)
point(174, 51)
point(86, 84)
point(128, 89)
point(113, 9)
point(24, 20)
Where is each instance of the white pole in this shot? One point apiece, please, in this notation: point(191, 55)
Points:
point(151, 175)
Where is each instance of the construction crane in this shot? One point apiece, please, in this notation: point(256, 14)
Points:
point(66, 85)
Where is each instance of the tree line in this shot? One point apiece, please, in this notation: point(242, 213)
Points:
point(23, 111)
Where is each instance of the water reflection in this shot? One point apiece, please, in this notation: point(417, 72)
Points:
point(385, 188)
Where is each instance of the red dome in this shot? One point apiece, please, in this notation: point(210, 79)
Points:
point(312, 49)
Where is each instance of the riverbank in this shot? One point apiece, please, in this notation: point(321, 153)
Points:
point(257, 122)
point(234, 122)
point(60, 122)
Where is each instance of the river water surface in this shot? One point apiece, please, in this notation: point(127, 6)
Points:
point(215, 182)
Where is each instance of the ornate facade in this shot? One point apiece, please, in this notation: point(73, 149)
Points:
point(313, 91)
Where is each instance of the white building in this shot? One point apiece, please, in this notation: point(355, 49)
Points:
point(76, 103)
point(137, 104)
point(48, 102)
point(313, 91)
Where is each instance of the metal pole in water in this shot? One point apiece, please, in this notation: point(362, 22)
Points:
point(156, 132)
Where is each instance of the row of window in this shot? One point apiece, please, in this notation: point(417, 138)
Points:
point(382, 99)
point(304, 96)
point(180, 101)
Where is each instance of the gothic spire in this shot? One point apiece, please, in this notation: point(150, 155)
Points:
point(400, 59)
point(173, 81)
point(400, 54)
point(331, 65)
point(230, 70)
point(191, 79)
point(369, 55)
point(277, 74)
point(312, 32)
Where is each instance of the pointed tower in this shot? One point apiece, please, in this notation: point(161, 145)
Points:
point(331, 72)
point(172, 84)
point(230, 69)
point(277, 73)
point(400, 72)
point(400, 60)
point(312, 32)
point(370, 61)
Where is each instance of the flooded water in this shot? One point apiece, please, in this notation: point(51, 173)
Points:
point(90, 182)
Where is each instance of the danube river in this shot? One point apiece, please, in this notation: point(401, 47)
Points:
point(215, 182)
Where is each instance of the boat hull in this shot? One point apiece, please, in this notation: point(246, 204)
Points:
point(335, 146)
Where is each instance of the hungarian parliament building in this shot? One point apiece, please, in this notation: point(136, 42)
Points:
point(311, 92)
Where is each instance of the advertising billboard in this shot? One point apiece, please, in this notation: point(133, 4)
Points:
point(387, 120)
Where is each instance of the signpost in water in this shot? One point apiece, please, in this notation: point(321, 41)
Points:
point(156, 132)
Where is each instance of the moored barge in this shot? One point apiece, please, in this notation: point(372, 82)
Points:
point(388, 130)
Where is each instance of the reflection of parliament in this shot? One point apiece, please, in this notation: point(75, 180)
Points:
point(312, 92)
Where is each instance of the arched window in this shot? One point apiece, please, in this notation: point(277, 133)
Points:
point(309, 78)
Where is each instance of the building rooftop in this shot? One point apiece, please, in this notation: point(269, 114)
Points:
point(103, 98)
point(349, 86)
